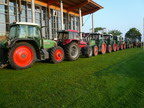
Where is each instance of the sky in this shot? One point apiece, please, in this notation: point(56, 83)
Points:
point(117, 15)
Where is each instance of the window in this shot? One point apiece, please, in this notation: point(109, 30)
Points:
point(4, 19)
point(63, 36)
point(22, 31)
point(3, 1)
point(13, 31)
point(33, 31)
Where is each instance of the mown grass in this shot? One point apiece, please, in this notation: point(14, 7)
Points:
point(114, 80)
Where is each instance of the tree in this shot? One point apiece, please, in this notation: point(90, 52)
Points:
point(115, 32)
point(99, 29)
point(133, 33)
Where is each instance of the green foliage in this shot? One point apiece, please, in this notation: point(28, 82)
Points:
point(114, 80)
point(99, 29)
point(133, 33)
point(115, 32)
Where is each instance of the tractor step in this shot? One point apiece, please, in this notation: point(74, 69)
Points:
point(44, 54)
point(3, 65)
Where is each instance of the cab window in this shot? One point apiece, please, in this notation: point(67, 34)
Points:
point(33, 31)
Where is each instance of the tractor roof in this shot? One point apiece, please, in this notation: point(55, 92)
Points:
point(66, 31)
point(24, 23)
point(107, 35)
point(96, 33)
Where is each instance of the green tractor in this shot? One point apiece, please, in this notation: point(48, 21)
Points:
point(25, 44)
point(129, 43)
point(111, 43)
point(120, 42)
point(96, 40)
point(90, 39)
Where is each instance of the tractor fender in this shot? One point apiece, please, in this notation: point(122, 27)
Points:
point(30, 41)
point(68, 41)
point(85, 50)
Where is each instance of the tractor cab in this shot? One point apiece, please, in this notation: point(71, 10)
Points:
point(108, 37)
point(67, 36)
point(29, 32)
point(24, 30)
point(97, 36)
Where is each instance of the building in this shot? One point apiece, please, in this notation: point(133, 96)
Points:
point(53, 15)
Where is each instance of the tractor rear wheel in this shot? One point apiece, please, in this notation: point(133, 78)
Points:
point(114, 47)
point(22, 55)
point(88, 51)
point(72, 51)
point(56, 55)
point(103, 48)
point(95, 50)
point(109, 48)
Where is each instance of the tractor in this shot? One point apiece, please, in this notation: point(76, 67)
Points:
point(129, 43)
point(25, 44)
point(73, 46)
point(90, 39)
point(97, 41)
point(111, 43)
point(120, 42)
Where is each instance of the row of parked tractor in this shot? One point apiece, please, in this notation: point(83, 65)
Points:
point(25, 44)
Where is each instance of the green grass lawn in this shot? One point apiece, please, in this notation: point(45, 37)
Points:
point(114, 80)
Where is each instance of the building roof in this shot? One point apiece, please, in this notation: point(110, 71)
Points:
point(87, 6)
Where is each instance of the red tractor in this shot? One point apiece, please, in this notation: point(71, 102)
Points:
point(73, 46)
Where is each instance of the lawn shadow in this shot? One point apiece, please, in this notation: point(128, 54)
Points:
point(124, 67)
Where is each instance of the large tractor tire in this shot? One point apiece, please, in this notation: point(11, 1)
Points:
point(95, 50)
point(118, 47)
point(3, 57)
point(72, 51)
point(87, 51)
point(22, 55)
point(103, 48)
point(114, 47)
point(121, 46)
point(124, 46)
point(129, 45)
point(56, 55)
point(109, 49)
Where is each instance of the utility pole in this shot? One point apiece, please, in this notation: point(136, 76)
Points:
point(33, 10)
point(92, 23)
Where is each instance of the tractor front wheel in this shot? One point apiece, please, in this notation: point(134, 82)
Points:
point(118, 48)
point(121, 46)
point(109, 48)
point(56, 55)
point(114, 47)
point(72, 51)
point(22, 55)
point(103, 48)
point(95, 50)
point(88, 51)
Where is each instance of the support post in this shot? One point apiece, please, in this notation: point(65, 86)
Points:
point(92, 23)
point(33, 11)
point(61, 13)
point(80, 18)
